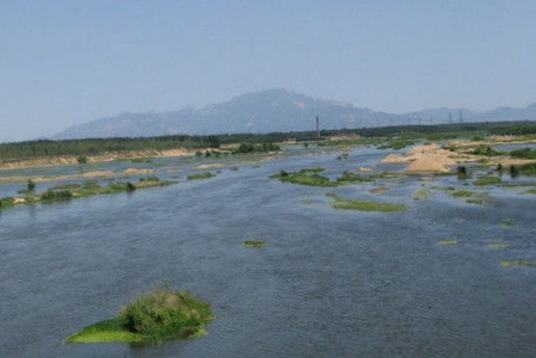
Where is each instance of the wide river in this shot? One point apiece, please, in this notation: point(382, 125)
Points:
point(328, 283)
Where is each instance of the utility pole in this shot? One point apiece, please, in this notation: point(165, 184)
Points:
point(317, 127)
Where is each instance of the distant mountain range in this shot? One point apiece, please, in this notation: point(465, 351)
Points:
point(274, 110)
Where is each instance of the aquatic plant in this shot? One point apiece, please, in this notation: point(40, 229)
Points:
point(254, 243)
point(198, 176)
point(488, 180)
point(421, 194)
point(447, 242)
point(152, 317)
point(517, 262)
point(363, 205)
point(498, 245)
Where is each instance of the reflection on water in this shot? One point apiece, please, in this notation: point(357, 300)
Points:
point(328, 283)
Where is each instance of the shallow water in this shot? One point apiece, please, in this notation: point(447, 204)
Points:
point(328, 283)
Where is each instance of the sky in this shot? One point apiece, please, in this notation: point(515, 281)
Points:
point(68, 62)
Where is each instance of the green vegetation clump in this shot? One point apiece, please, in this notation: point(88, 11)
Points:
point(488, 180)
point(245, 148)
point(528, 169)
point(498, 245)
point(485, 150)
point(6, 203)
point(254, 243)
point(471, 197)
point(310, 176)
point(517, 262)
point(81, 159)
point(447, 242)
point(524, 153)
point(397, 143)
point(198, 176)
point(531, 191)
point(363, 205)
point(52, 195)
point(152, 317)
point(421, 194)
point(462, 172)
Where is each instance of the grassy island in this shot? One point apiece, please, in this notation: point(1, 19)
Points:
point(254, 243)
point(363, 205)
point(198, 176)
point(310, 176)
point(151, 318)
point(65, 192)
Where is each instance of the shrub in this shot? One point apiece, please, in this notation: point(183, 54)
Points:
point(81, 159)
point(462, 172)
point(30, 186)
point(151, 318)
point(56, 195)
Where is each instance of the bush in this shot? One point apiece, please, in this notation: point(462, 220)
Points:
point(30, 186)
point(81, 159)
point(56, 195)
point(151, 318)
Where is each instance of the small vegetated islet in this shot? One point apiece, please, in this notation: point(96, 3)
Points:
point(254, 243)
point(64, 192)
point(363, 205)
point(487, 180)
point(517, 262)
point(310, 176)
point(198, 176)
point(150, 318)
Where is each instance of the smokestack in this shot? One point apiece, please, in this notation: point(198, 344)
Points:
point(317, 127)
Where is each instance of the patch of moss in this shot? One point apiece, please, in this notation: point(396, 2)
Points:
point(517, 262)
point(254, 243)
point(363, 205)
point(152, 317)
point(199, 176)
point(488, 180)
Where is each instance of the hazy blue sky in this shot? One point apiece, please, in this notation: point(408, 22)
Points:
point(67, 62)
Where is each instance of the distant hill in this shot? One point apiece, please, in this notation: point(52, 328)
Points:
point(272, 110)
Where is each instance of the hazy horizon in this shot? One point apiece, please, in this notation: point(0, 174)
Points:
point(69, 62)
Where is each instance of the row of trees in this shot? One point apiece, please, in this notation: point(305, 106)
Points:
point(93, 146)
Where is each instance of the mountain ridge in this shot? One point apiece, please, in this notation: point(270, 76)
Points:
point(273, 110)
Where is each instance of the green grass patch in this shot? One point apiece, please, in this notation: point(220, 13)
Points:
point(524, 153)
point(517, 262)
point(363, 205)
point(310, 176)
point(471, 197)
point(254, 243)
point(152, 317)
point(531, 191)
point(488, 180)
point(198, 176)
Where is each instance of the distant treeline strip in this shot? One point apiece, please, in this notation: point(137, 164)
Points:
point(95, 146)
